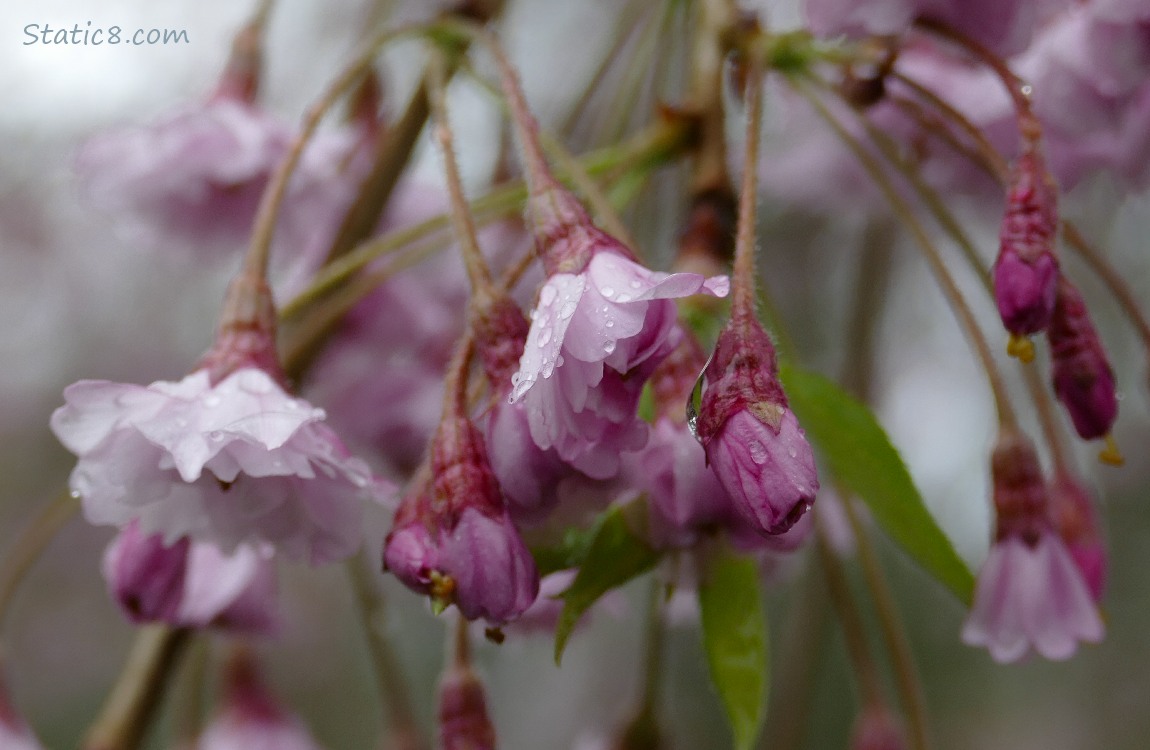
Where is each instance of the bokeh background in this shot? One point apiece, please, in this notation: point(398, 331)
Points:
point(80, 299)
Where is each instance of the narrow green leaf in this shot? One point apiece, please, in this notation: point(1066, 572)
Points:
point(858, 452)
point(735, 639)
point(616, 555)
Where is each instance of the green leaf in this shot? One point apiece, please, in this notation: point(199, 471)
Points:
point(616, 555)
point(735, 639)
point(858, 452)
point(569, 552)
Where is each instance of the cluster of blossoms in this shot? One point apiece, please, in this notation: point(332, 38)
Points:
point(615, 389)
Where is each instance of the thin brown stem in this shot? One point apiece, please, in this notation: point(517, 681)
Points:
point(1018, 90)
point(743, 291)
point(854, 634)
point(256, 261)
point(130, 707)
point(903, 211)
point(461, 219)
point(906, 677)
point(393, 689)
point(31, 543)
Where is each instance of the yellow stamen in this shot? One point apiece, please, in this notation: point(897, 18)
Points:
point(442, 591)
point(1020, 347)
point(1110, 454)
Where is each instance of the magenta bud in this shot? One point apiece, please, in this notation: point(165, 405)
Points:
point(1083, 379)
point(455, 541)
point(146, 576)
point(877, 729)
point(463, 720)
point(1026, 272)
point(250, 717)
point(752, 439)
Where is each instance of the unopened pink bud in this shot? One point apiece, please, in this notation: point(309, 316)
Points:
point(877, 729)
point(146, 576)
point(752, 439)
point(1075, 519)
point(1083, 379)
point(463, 720)
point(1026, 272)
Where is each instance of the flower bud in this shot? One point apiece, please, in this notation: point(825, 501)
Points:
point(752, 439)
point(453, 538)
point(1083, 379)
point(463, 720)
point(146, 576)
point(1026, 272)
point(876, 729)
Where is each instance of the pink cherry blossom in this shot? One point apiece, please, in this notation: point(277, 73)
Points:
point(1031, 596)
point(464, 723)
point(239, 461)
point(595, 338)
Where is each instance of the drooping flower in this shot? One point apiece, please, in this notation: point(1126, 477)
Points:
point(1026, 272)
point(1083, 378)
point(223, 456)
point(190, 584)
point(1030, 594)
point(251, 718)
point(602, 324)
point(752, 439)
point(453, 538)
point(877, 729)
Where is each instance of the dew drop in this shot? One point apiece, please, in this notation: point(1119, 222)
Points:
point(559, 362)
point(255, 382)
point(211, 400)
point(515, 379)
point(547, 296)
point(610, 324)
point(567, 310)
point(793, 452)
point(75, 494)
point(215, 435)
point(545, 337)
point(758, 451)
point(624, 298)
point(609, 346)
point(636, 284)
point(607, 292)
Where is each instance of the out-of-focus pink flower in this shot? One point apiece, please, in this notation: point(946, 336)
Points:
point(232, 462)
point(1076, 521)
point(250, 718)
point(190, 584)
point(455, 540)
point(1029, 593)
point(15, 734)
point(463, 720)
point(601, 326)
point(1003, 25)
point(1083, 379)
point(877, 729)
point(1026, 272)
point(752, 439)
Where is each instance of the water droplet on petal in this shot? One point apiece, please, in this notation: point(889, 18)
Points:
point(609, 346)
point(607, 292)
point(75, 494)
point(758, 451)
point(211, 400)
point(545, 337)
point(546, 296)
point(215, 435)
point(636, 284)
point(624, 298)
point(610, 324)
point(255, 382)
point(793, 451)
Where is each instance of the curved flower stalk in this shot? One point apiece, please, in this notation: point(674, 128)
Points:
point(1030, 593)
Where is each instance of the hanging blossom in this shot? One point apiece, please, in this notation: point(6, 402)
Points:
point(602, 324)
point(1083, 378)
point(752, 439)
point(1030, 594)
point(453, 538)
point(224, 456)
point(464, 723)
point(190, 584)
point(1026, 272)
point(251, 718)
